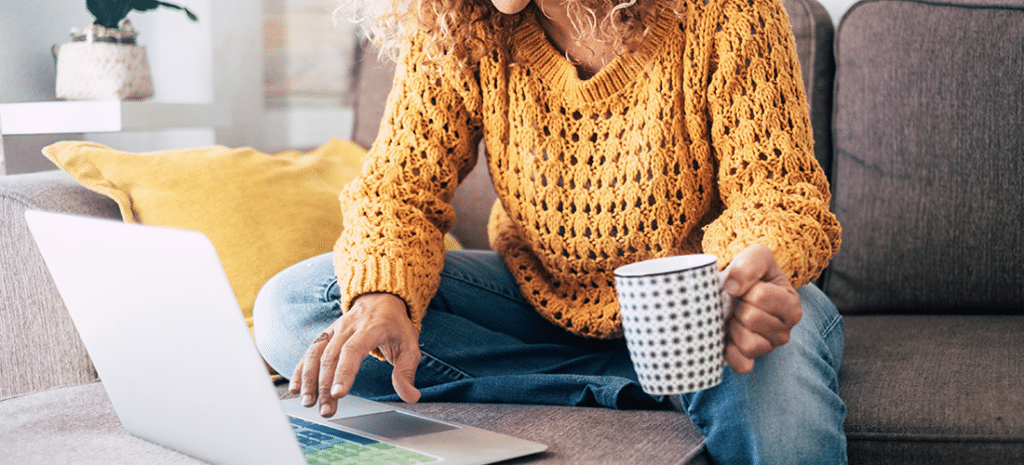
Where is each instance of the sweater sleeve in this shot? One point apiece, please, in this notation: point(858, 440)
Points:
point(396, 212)
point(772, 188)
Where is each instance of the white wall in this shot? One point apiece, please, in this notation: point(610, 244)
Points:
point(237, 41)
point(28, 31)
point(218, 59)
point(181, 60)
point(308, 73)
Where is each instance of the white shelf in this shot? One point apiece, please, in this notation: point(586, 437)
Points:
point(91, 116)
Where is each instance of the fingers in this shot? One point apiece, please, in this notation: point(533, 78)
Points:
point(344, 375)
point(739, 363)
point(743, 347)
point(296, 380)
point(404, 373)
point(754, 278)
point(332, 359)
point(327, 371)
point(768, 310)
point(753, 332)
point(307, 372)
point(765, 307)
point(350, 358)
point(753, 265)
point(402, 352)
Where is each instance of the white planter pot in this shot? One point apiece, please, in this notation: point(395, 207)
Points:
point(101, 70)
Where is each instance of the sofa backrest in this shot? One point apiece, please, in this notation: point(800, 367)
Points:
point(373, 79)
point(3, 164)
point(39, 347)
point(812, 28)
point(928, 175)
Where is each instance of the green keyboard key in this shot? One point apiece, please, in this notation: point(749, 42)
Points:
point(325, 447)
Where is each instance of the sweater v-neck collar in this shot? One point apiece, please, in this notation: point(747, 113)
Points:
point(562, 75)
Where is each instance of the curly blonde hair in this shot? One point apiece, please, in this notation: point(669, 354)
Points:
point(464, 30)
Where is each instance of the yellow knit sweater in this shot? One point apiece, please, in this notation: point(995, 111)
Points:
point(702, 142)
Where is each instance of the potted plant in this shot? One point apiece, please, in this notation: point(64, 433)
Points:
point(104, 61)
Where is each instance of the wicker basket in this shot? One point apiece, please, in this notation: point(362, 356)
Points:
point(100, 70)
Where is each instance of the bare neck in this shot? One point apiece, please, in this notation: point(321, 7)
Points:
point(588, 54)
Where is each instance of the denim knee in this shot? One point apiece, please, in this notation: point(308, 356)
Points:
point(292, 309)
point(787, 410)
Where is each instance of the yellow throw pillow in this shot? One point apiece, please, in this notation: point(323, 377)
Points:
point(262, 212)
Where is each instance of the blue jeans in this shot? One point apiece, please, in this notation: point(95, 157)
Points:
point(482, 342)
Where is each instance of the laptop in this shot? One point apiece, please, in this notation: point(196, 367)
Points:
point(168, 339)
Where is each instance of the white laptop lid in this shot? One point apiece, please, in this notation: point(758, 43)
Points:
point(205, 409)
point(167, 337)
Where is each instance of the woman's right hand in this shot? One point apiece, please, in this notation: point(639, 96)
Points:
point(375, 321)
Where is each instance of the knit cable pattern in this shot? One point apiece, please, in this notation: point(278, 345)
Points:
point(700, 143)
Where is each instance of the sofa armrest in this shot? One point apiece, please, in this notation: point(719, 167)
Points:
point(39, 347)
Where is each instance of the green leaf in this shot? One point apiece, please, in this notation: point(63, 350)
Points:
point(147, 5)
point(109, 13)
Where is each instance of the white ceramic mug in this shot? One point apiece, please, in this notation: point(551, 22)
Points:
point(673, 313)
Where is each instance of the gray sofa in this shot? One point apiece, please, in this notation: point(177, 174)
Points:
point(918, 111)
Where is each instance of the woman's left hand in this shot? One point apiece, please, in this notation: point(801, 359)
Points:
point(765, 307)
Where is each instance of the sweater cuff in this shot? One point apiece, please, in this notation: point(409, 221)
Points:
point(373, 274)
point(801, 248)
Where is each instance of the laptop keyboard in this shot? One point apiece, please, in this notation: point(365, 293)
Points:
point(325, 445)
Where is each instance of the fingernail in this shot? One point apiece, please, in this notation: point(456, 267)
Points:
point(336, 389)
point(731, 286)
point(324, 410)
point(307, 400)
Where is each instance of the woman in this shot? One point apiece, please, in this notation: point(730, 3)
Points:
point(615, 132)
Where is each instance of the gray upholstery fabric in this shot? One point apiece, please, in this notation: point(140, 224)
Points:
point(812, 28)
point(583, 434)
point(78, 425)
point(929, 157)
point(374, 76)
point(934, 388)
point(37, 339)
point(73, 425)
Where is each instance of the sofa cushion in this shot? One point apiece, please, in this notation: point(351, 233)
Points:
point(78, 425)
point(928, 171)
point(934, 388)
point(74, 425)
point(583, 435)
point(37, 339)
